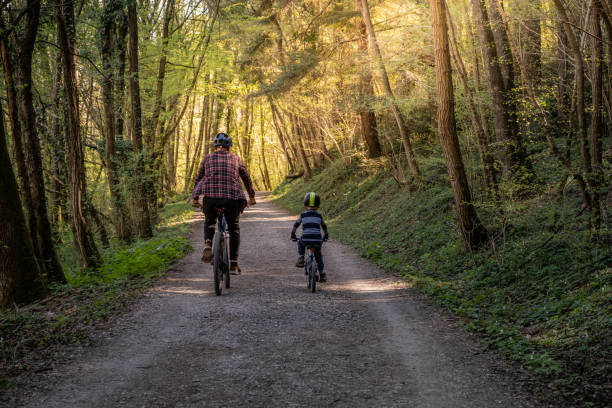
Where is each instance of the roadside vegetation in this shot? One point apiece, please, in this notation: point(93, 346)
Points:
point(538, 292)
point(31, 335)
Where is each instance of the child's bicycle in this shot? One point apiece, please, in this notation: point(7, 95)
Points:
point(310, 267)
point(220, 247)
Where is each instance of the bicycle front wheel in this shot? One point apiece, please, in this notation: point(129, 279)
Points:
point(312, 275)
point(218, 261)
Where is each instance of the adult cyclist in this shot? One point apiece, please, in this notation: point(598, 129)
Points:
point(217, 185)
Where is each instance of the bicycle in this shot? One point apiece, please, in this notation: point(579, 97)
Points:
point(220, 261)
point(310, 267)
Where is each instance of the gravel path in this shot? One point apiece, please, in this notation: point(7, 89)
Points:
point(364, 340)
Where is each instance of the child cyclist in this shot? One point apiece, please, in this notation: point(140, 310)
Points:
point(312, 223)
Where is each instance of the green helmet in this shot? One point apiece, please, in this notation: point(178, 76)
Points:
point(312, 199)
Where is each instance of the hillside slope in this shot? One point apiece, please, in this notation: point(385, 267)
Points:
point(540, 293)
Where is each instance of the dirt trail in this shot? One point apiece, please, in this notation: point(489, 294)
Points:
point(363, 340)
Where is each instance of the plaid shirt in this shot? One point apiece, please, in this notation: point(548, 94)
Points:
point(219, 177)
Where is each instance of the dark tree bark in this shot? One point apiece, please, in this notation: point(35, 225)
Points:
point(83, 239)
point(21, 49)
point(597, 123)
point(161, 72)
point(369, 128)
point(119, 88)
point(482, 140)
point(499, 76)
point(472, 231)
point(412, 164)
point(120, 210)
point(20, 278)
point(144, 226)
point(281, 136)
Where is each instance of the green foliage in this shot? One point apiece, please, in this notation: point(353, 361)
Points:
point(539, 294)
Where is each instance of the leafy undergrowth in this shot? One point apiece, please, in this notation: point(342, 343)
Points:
point(540, 293)
point(30, 336)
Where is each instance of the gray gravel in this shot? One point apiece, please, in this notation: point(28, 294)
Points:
point(365, 339)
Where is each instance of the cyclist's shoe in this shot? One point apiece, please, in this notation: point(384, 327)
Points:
point(207, 252)
point(322, 277)
point(234, 269)
point(300, 262)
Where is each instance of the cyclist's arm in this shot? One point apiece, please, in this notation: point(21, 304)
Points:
point(246, 179)
point(296, 226)
point(201, 173)
point(324, 226)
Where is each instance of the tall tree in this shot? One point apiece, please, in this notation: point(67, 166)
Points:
point(499, 77)
point(143, 222)
point(19, 47)
point(111, 125)
point(20, 278)
point(83, 238)
point(472, 231)
point(367, 117)
point(412, 164)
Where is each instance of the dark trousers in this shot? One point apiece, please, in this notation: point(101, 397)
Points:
point(317, 252)
point(232, 210)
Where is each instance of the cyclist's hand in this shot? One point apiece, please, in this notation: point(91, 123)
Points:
point(294, 239)
point(252, 201)
point(325, 239)
point(196, 203)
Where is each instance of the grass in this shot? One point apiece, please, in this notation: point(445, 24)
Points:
point(30, 336)
point(540, 293)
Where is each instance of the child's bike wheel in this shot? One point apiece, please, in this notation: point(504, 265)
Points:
point(312, 277)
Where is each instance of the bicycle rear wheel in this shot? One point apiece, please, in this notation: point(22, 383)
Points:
point(226, 262)
point(217, 261)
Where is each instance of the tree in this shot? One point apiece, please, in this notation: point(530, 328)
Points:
point(20, 278)
point(472, 231)
point(143, 222)
point(83, 238)
point(17, 49)
point(111, 126)
point(365, 13)
point(366, 115)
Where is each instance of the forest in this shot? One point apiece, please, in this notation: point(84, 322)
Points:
point(496, 113)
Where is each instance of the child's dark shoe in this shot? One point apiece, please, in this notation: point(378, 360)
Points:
point(322, 277)
point(300, 262)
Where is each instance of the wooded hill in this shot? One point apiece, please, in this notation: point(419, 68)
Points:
point(110, 105)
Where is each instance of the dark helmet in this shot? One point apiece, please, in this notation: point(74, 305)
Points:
point(223, 140)
point(312, 199)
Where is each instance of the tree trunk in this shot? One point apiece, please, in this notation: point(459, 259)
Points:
point(367, 117)
point(144, 226)
point(365, 12)
point(482, 140)
point(120, 210)
point(501, 115)
point(89, 256)
point(23, 48)
point(472, 231)
point(596, 179)
point(188, 140)
point(281, 136)
point(21, 280)
point(161, 73)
